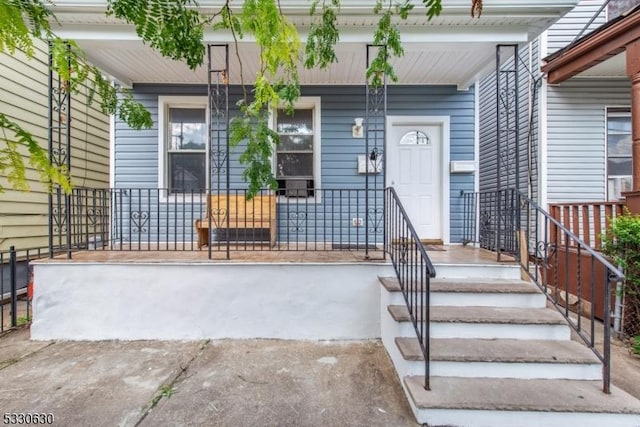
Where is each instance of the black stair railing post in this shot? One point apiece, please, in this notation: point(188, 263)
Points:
point(606, 364)
point(59, 145)
point(13, 284)
point(375, 144)
point(218, 140)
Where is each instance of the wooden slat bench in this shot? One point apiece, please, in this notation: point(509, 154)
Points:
point(257, 213)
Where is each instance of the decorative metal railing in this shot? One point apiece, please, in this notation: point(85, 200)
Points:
point(576, 279)
point(16, 285)
point(143, 219)
point(413, 269)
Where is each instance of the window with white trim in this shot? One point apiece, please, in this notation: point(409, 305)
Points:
point(619, 169)
point(297, 156)
point(183, 139)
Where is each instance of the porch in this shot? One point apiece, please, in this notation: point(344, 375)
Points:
point(477, 315)
point(480, 317)
point(439, 254)
point(303, 294)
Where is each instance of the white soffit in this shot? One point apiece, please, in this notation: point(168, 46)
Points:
point(132, 62)
point(451, 49)
point(613, 67)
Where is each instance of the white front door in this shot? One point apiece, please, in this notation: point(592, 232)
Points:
point(414, 169)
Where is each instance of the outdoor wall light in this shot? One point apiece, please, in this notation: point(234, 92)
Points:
point(357, 130)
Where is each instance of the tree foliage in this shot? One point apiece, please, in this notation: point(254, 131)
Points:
point(21, 23)
point(621, 242)
point(175, 28)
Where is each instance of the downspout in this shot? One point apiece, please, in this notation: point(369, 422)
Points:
point(533, 96)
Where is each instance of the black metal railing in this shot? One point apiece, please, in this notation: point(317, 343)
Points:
point(16, 281)
point(487, 217)
point(413, 269)
point(576, 279)
point(137, 219)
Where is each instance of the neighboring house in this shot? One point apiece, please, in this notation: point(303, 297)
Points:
point(576, 134)
point(24, 97)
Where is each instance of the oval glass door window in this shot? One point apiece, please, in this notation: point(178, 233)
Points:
point(415, 137)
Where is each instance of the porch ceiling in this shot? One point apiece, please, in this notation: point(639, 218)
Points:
point(452, 49)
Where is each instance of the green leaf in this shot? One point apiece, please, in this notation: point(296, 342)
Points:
point(20, 21)
point(323, 36)
point(434, 8)
point(621, 242)
point(252, 128)
point(173, 27)
point(12, 159)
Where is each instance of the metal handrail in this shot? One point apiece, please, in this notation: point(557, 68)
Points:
point(413, 269)
point(597, 255)
point(554, 247)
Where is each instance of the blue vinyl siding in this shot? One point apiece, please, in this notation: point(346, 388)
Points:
point(136, 152)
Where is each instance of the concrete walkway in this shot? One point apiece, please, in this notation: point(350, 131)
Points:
point(212, 383)
point(216, 383)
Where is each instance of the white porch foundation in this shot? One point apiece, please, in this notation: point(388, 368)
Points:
point(188, 301)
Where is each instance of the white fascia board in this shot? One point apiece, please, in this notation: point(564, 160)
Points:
point(451, 7)
point(87, 32)
point(441, 35)
point(513, 34)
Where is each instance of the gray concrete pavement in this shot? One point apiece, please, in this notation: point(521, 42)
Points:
point(219, 383)
point(625, 368)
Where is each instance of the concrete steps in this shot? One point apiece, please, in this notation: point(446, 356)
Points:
point(501, 358)
point(499, 402)
point(481, 293)
point(487, 322)
point(498, 357)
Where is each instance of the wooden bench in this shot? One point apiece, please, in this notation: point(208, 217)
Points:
point(257, 213)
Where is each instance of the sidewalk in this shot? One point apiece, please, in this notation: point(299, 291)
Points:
point(217, 383)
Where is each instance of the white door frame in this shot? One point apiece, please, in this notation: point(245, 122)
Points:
point(444, 122)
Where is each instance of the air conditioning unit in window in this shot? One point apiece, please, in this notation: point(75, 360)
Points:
point(296, 188)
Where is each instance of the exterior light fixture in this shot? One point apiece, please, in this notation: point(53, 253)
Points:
point(357, 130)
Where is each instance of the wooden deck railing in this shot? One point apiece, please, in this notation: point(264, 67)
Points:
point(587, 220)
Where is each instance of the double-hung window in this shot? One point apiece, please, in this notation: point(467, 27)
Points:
point(297, 156)
point(184, 142)
point(619, 169)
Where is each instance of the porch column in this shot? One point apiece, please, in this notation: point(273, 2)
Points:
point(633, 71)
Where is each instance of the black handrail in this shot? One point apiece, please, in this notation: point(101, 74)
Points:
point(413, 268)
point(554, 258)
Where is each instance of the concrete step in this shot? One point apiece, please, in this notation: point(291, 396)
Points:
point(486, 322)
point(493, 402)
point(507, 270)
point(501, 358)
point(474, 292)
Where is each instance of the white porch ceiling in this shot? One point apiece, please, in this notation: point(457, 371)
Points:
point(452, 49)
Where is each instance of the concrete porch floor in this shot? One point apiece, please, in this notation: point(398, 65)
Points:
point(450, 254)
